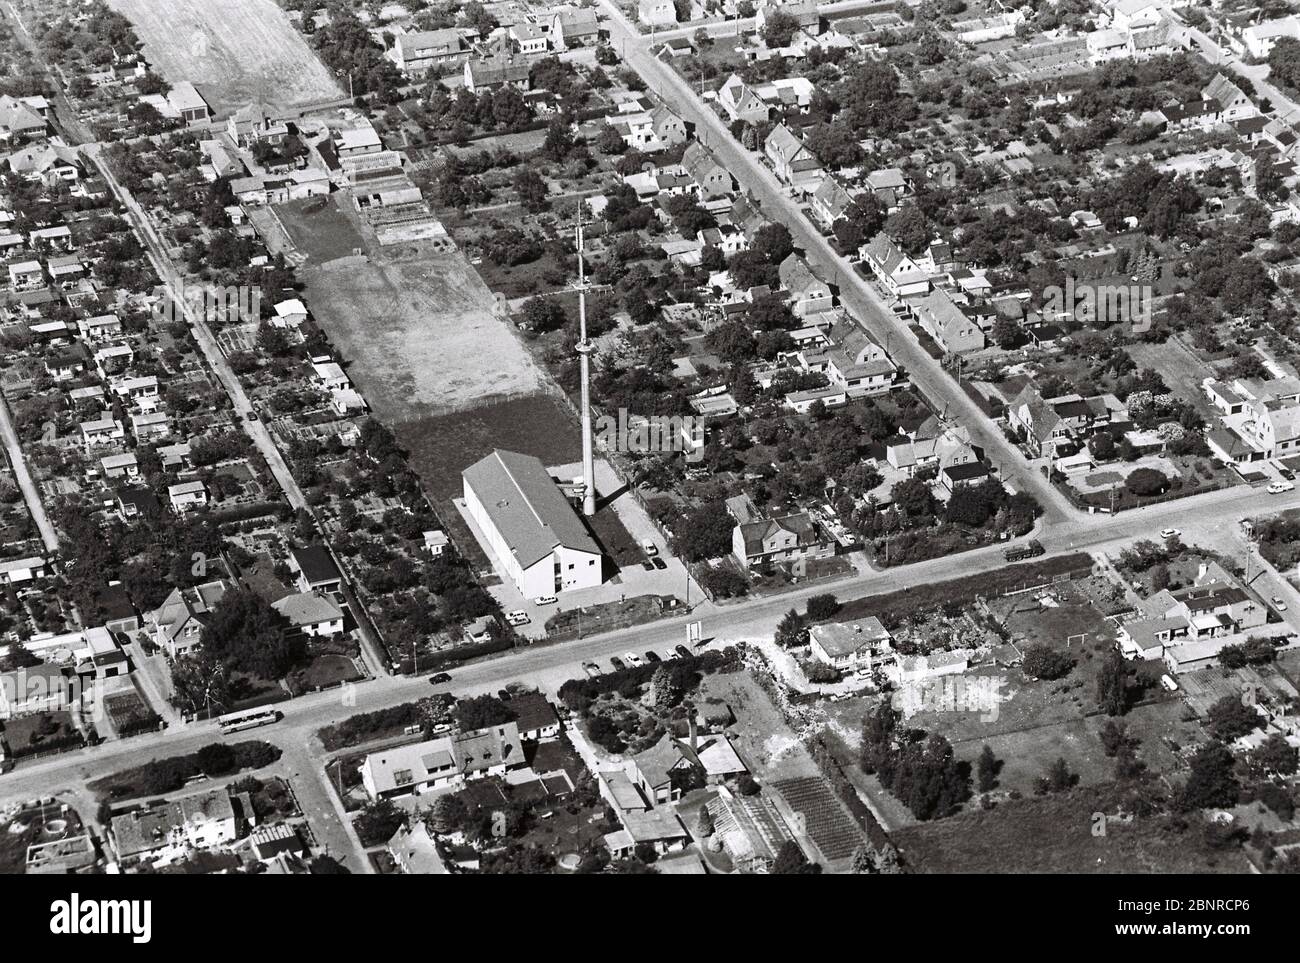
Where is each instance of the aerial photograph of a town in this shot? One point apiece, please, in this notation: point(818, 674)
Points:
point(697, 437)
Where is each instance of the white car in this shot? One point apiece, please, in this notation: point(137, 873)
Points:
point(1169, 533)
point(631, 658)
point(1278, 603)
point(518, 617)
point(545, 600)
point(1278, 487)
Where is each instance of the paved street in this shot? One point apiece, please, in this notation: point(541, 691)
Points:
point(31, 495)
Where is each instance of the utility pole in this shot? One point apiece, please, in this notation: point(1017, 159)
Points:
point(584, 348)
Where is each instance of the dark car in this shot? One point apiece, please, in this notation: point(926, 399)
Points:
point(648, 565)
point(617, 663)
point(684, 652)
point(439, 677)
point(504, 695)
point(658, 563)
point(652, 656)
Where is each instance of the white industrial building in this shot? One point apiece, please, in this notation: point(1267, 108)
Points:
point(535, 537)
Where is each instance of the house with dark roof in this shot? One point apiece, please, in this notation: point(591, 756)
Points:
point(792, 160)
point(945, 321)
point(809, 294)
point(742, 102)
point(535, 717)
point(711, 178)
point(491, 73)
point(786, 538)
point(528, 527)
point(830, 201)
point(896, 272)
point(177, 625)
point(315, 570)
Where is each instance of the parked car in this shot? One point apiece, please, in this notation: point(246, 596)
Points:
point(631, 658)
point(591, 668)
point(648, 565)
point(1278, 603)
point(1168, 682)
point(682, 651)
point(617, 663)
point(1278, 487)
point(545, 600)
point(438, 678)
point(649, 547)
point(659, 563)
point(518, 617)
point(1169, 533)
point(652, 656)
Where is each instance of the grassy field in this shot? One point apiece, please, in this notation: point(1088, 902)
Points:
point(419, 334)
point(318, 228)
point(1054, 834)
point(234, 51)
point(442, 446)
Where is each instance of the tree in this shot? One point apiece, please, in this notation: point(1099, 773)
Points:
point(245, 633)
point(610, 141)
point(664, 690)
point(1044, 662)
point(1058, 778)
point(216, 759)
point(447, 814)
point(378, 821)
point(1114, 735)
point(1113, 688)
point(1211, 782)
point(822, 606)
point(482, 712)
point(704, 532)
point(779, 28)
point(326, 865)
point(1230, 718)
point(1276, 756)
point(773, 242)
point(791, 631)
point(863, 220)
point(986, 770)
point(541, 314)
point(790, 860)
point(1146, 482)
point(531, 189)
point(1007, 333)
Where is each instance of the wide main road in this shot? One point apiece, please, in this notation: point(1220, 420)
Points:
point(855, 293)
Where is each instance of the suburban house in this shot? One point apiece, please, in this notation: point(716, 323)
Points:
point(1055, 426)
point(895, 271)
point(711, 178)
point(415, 851)
point(491, 73)
point(19, 121)
point(1188, 627)
point(528, 38)
point(447, 761)
point(1233, 104)
point(177, 624)
point(944, 321)
point(528, 527)
point(187, 496)
point(931, 445)
point(311, 613)
point(37, 688)
point(741, 102)
point(15, 571)
point(852, 361)
point(1259, 419)
point(314, 569)
point(201, 820)
point(850, 645)
point(792, 161)
point(422, 52)
point(787, 538)
point(830, 201)
point(573, 27)
point(656, 13)
point(256, 123)
point(535, 717)
point(808, 293)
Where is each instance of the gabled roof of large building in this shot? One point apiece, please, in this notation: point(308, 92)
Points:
point(526, 507)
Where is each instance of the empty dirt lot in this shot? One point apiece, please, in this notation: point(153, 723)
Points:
point(419, 334)
point(234, 51)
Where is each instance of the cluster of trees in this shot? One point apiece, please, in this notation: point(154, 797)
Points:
point(916, 766)
point(347, 48)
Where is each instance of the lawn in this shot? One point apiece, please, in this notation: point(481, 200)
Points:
point(319, 228)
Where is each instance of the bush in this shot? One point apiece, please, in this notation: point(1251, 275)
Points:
point(1044, 662)
point(822, 606)
point(1146, 482)
point(216, 759)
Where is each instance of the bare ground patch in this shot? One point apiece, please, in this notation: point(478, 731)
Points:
point(234, 51)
